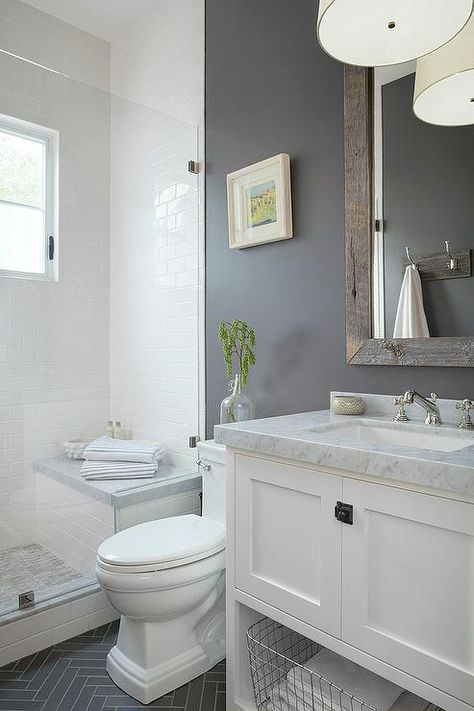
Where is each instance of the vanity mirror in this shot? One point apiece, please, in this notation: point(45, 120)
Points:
point(408, 184)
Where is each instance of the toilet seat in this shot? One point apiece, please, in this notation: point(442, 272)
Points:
point(162, 544)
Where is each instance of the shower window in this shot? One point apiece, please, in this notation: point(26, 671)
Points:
point(28, 199)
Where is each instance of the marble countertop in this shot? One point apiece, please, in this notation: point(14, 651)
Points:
point(169, 481)
point(291, 437)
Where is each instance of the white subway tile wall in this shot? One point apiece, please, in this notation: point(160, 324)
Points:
point(127, 204)
point(54, 339)
point(178, 505)
point(158, 61)
point(154, 340)
point(71, 524)
point(156, 226)
point(54, 336)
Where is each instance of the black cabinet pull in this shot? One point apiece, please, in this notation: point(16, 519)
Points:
point(344, 513)
point(51, 248)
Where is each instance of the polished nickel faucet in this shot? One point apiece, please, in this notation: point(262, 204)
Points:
point(433, 416)
point(466, 422)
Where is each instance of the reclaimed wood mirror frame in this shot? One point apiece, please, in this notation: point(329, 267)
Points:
point(361, 348)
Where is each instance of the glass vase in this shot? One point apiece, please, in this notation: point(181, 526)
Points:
point(238, 406)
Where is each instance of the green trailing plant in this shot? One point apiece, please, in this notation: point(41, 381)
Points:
point(238, 340)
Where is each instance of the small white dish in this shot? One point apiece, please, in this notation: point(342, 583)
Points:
point(74, 448)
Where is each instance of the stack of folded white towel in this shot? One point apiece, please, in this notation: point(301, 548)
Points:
point(111, 458)
point(303, 691)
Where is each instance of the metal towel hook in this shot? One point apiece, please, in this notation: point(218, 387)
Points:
point(453, 263)
point(407, 250)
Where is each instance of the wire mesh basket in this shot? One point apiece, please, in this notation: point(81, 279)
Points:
point(281, 682)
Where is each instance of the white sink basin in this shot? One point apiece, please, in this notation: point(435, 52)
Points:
point(435, 439)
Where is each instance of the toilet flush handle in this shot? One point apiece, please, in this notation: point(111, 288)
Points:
point(206, 467)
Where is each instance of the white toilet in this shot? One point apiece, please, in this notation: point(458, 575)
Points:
point(167, 580)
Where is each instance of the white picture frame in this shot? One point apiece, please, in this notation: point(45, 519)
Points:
point(259, 203)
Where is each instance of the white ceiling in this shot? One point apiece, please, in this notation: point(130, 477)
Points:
point(103, 18)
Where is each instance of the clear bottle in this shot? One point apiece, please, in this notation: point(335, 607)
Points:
point(118, 430)
point(109, 430)
point(238, 406)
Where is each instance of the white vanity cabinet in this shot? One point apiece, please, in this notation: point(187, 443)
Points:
point(408, 583)
point(396, 585)
point(288, 543)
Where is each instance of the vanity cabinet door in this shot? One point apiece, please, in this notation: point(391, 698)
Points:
point(288, 541)
point(408, 583)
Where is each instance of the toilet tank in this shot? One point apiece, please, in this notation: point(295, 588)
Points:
point(212, 458)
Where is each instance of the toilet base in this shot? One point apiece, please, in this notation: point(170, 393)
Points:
point(146, 685)
point(151, 659)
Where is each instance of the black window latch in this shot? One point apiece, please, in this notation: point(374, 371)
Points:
point(51, 248)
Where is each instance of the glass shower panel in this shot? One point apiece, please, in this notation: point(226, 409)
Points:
point(115, 335)
point(154, 277)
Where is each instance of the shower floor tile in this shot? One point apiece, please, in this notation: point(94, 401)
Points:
point(34, 567)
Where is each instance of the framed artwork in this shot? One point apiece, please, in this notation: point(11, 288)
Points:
point(259, 203)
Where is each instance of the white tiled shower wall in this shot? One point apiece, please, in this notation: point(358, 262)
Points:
point(154, 253)
point(158, 61)
point(157, 227)
point(54, 337)
point(72, 524)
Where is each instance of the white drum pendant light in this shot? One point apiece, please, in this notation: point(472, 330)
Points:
point(444, 85)
point(372, 33)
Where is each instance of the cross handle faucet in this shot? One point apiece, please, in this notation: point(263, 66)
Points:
point(433, 416)
point(466, 422)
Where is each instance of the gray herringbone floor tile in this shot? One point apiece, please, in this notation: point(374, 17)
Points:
point(71, 676)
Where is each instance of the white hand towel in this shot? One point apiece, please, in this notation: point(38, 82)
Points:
point(410, 321)
point(282, 700)
point(107, 449)
point(353, 679)
point(114, 477)
point(117, 470)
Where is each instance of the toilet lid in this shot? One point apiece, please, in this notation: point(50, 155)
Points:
point(167, 542)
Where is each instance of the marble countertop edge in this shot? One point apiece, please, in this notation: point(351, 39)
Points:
point(290, 438)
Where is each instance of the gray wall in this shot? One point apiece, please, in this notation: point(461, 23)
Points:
point(428, 190)
point(270, 89)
